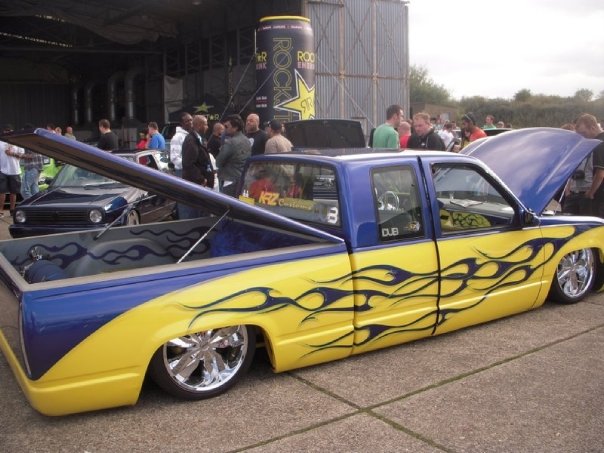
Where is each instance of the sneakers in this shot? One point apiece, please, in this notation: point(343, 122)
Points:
point(1, 214)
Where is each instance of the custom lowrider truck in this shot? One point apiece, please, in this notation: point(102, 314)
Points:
point(322, 257)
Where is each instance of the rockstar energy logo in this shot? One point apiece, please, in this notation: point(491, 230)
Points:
point(282, 76)
point(303, 103)
point(291, 93)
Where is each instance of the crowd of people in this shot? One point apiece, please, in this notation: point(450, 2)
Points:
point(583, 194)
point(423, 132)
point(216, 160)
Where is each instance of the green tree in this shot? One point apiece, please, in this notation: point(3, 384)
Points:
point(584, 95)
point(423, 89)
point(523, 95)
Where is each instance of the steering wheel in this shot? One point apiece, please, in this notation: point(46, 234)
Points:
point(388, 201)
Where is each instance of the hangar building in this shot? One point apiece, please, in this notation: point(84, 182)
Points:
point(71, 62)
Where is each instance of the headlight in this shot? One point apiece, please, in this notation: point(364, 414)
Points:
point(20, 216)
point(95, 216)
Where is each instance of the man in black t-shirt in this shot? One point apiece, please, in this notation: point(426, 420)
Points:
point(423, 136)
point(256, 135)
point(108, 139)
point(588, 127)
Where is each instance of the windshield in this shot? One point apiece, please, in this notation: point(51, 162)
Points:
point(71, 176)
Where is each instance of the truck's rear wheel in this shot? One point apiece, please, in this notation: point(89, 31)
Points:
point(204, 364)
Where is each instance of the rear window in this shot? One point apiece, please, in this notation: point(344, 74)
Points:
point(299, 191)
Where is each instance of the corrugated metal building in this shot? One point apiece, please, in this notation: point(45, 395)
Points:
point(96, 59)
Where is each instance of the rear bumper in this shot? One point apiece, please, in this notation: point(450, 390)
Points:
point(85, 393)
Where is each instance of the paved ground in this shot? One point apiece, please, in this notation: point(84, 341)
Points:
point(529, 383)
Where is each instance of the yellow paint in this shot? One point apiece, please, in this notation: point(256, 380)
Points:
point(410, 308)
point(304, 102)
point(108, 367)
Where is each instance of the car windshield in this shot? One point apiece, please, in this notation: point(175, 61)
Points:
point(71, 176)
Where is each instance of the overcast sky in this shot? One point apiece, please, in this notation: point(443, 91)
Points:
point(496, 48)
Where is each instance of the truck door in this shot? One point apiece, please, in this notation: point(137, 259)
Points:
point(396, 281)
point(490, 266)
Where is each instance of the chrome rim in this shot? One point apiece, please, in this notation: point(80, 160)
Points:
point(575, 273)
point(206, 360)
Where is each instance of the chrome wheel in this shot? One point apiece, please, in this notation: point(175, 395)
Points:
point(574, 276)
point(203, 364)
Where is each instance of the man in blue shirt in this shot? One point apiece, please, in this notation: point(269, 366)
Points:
point(156, 140)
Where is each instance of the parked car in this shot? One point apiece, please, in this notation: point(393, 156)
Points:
point(78, 199)
point(323, 257)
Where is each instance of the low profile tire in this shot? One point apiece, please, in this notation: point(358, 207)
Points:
point(575, 276)
point(204, 364)
point(133, 218)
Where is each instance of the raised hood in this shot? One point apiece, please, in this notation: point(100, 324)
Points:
point(134, 174)
point(535, 163)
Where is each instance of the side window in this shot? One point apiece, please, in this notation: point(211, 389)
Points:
point(299, 191)
point(397, 202)
point(468, 201)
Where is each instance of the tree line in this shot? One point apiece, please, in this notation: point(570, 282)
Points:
point(525, 109)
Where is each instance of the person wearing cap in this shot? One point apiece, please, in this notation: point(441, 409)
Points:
point(10, 172)
point(277, 143)
point(470, 131)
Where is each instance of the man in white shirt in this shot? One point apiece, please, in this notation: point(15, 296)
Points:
point(10, 172)
point(447, 136)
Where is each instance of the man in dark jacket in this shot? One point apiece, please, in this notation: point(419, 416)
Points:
point(108, 140)
point(196, 164)
point(232, 156)
point(424, 137)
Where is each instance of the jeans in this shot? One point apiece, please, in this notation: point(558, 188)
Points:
point(29, 185)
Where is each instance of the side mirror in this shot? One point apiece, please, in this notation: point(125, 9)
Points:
point(529, 219)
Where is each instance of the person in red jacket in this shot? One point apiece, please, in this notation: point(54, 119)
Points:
point(404, 132)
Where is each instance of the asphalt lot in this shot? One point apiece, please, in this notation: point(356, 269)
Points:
point(530, 383)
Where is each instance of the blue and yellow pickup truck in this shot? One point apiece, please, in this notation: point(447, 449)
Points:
point(321, 257)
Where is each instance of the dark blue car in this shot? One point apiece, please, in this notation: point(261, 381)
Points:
point(81, 200)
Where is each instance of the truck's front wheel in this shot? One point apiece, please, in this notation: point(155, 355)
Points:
point(204, 364)
point(575, 276)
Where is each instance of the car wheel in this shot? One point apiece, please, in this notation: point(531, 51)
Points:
point(203, 364)
point(574, 277)
point(133, 218)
